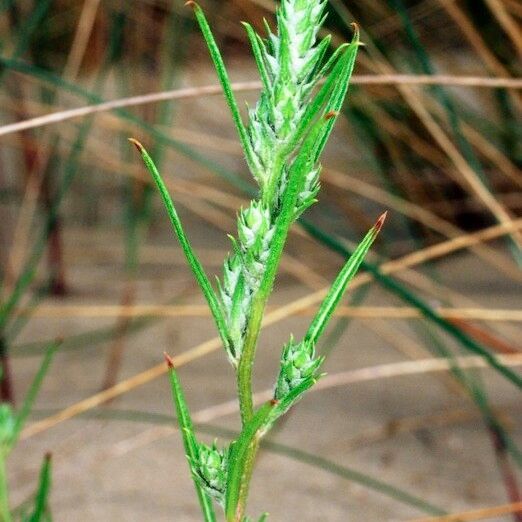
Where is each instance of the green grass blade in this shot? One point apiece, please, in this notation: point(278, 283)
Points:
point(29, 399)
point(41, 509)
point(338, 287)
point(355, 476)
point(193, 261)
point(189, 439)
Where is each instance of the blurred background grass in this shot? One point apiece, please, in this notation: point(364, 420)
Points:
point(431, 132)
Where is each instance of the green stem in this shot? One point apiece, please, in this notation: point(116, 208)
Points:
point(248, 471)
point(242, 458)
point(302, 164)
point(5, 514)
point(244, 370)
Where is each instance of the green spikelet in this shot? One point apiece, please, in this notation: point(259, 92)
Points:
point(298, 364)
point(210, 470)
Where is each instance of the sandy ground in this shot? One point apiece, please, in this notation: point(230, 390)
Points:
point(132, 470)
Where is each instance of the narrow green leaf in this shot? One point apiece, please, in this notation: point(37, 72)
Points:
point(336, 100)
point(189, 438)
point(327, 98)
point(22, 415)
point(259, 57)
point(424, 308)
point(193, 261)
point(41, 508)
point(222, 73)
point(338, 287)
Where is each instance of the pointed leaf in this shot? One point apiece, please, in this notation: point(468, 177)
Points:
point(259, 56)
point(222, 73)
point(338, 287)
point(189, 438)
point(41, 509)
point(327, 98)
point(193, 261)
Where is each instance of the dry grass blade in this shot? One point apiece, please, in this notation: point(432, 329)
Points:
point(477, 514)
point(196, 92)
point(420, 214)
point(359, 312)
point(507, 23)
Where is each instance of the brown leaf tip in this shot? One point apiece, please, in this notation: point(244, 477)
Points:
point(190, 3)
point(331, 114)
point(137, 144)
point(48, 456)
point(168, 360)
point(274, 402)
point(380, 221)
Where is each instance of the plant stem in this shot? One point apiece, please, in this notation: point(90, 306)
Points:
point(246, 361)
point(248, 471)
point(244, 370)
point(5, 515)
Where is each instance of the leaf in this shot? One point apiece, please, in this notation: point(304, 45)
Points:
point(336, 100)
point(290, 399)
point(422, 306)
point(193, 261)
point(41, 509)
point(338, 287)
point(328, 99)
point(189, 438)
point(221, 70)
point(259, 56)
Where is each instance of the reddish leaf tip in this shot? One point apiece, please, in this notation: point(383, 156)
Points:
point(380, 221)
point(331, 114)
point(190, 3)
point(48, 456)
point(168, 360)
point(137, 144)
point(274, 402)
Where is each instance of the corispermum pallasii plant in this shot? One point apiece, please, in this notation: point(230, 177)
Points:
point(302, 93)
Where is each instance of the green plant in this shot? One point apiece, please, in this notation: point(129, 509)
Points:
point(11, 425)
point(283, 141)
